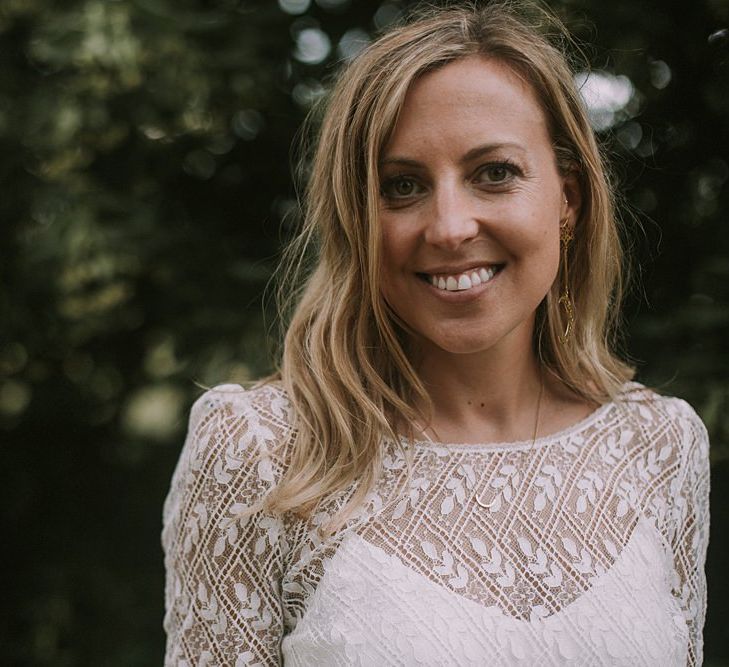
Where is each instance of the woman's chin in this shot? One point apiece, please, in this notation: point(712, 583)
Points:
point(460, 344)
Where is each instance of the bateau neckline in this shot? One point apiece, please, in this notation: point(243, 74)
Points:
point(544, 440)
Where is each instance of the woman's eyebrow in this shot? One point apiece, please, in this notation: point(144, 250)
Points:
point(402, 161)
point(472, 154)
point(483, 149)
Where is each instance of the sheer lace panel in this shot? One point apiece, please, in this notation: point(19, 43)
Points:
point(587, 548)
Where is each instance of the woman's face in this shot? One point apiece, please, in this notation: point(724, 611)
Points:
point(470, 208)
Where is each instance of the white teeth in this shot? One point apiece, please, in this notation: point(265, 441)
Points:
point(463, 281)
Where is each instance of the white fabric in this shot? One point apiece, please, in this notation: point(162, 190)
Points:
point(591, 550)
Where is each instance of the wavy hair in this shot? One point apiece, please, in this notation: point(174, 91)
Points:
point(345, 362)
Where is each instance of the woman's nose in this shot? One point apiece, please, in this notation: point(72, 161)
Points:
point(452, 218)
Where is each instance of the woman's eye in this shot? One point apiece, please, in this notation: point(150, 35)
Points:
point(399, 188)
point(496, 173)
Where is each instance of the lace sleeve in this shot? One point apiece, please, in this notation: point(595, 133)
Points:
point(222, 602)
point(691, 536)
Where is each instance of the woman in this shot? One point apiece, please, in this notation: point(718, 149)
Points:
point(453, 467)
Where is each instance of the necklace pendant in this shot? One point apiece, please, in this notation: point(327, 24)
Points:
point(486, 506)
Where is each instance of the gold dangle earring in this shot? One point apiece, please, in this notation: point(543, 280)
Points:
point(565, 299)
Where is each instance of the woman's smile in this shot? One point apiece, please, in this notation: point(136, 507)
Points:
point(462, 285)
point(455, 280)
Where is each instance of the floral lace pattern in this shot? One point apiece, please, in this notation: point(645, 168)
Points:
point(587, 548)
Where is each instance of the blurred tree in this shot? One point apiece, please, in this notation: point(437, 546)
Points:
point(146, 182)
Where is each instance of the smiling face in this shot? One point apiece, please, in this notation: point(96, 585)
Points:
point(470, 208)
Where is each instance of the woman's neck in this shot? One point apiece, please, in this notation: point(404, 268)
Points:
point(482, 397)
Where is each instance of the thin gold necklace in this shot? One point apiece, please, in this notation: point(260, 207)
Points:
point(534, 435)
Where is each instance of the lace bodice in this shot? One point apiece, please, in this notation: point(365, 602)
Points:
point(585, 548)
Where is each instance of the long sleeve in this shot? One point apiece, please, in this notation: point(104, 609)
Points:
point(691, 536)
point(222, 592)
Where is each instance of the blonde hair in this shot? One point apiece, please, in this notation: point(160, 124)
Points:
point(345, 364)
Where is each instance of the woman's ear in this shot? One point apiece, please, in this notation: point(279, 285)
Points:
point(572, 198)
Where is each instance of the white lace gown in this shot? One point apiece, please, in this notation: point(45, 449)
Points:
point(590, 549)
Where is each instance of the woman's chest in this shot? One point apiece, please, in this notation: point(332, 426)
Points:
point(554, 563)
point(372, 607)
point(559, 558)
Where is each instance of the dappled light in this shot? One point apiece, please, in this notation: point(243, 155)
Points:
point(312, 46)
point(607, 97)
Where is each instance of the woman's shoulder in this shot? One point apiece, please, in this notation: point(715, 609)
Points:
point(661, 414)
point(652, 404)
point(262, 403)
point(230, 421)
point(263, 398)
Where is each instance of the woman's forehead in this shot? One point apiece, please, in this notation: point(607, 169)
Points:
point(470, 102)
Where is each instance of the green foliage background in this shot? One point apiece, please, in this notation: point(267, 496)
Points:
point(146, 179)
